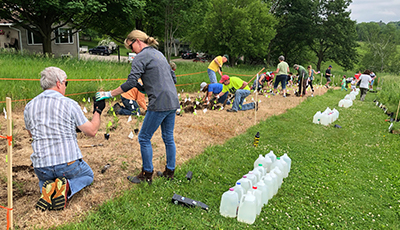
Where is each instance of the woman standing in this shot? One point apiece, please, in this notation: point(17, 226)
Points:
point(311, 78)
point(159, 83)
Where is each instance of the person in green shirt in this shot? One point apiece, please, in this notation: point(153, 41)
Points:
point(240, 88)
point(281, 75)
point(344, 83)
point(303, 76)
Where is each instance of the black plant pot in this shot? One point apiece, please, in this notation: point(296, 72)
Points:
point(136, 131)
point(106, 136)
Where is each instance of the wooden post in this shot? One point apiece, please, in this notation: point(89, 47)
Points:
point(255, 103)
point(9, 159)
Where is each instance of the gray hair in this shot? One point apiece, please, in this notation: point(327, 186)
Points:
point(281, 58)
point(295, 66)
point(50, 76)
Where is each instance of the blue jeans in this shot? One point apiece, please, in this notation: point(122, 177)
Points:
point(79, 175)
point(280, 78)
point(212, 75)
point(240, 95)
point(151, 122)
point(223, 98)
point(129, 108)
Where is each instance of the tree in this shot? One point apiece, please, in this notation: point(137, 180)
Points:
point(334, 34)
point(119, 18)
point(43, 17)
point(237, 28)
point(381, 42)
point(294, 31)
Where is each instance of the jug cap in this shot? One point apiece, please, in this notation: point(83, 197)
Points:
point(260, 165)
point(278, 158)
point(244, 176)
point(231, 189)
point(238, 183)
point(254, 187)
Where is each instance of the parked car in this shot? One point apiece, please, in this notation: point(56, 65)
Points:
point(102, 50)
point(188, 55)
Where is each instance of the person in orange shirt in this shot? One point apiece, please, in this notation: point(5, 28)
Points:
point(131, 99)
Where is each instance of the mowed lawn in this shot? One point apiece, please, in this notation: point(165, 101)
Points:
point(341, 178)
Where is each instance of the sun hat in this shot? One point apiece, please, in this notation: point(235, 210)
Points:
point(202, 85)
point(224, 78)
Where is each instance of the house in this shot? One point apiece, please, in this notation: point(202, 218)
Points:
point(13, 36)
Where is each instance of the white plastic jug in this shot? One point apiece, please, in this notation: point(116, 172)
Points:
point(278, 163)
point(287, 159)
point(317, 117)
point(252, 177)
point(264, 191)
point(261, 169)
point(229, 203)
point(345, 103)
point(258, 194)
point(271, 156)
point(270, 185)
point(325, 119)
point(239, 190)
point(284, 167)
point(258, 175)
point(260, 160)
point(247, 209)
point(245, 183)
point(335, 114)
point(279, 175)
point(268, 165)
point(274, 182)
point(352, 96)
point(347, 97)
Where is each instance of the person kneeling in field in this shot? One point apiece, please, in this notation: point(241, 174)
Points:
point(51, 120)
point(240, 89)
point(213, 89)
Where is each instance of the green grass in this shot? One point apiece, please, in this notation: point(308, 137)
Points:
point(29, 67)
point(344, 178)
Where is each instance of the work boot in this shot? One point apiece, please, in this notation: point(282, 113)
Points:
point(117, 108)
point(143, 176)
point(168, 173)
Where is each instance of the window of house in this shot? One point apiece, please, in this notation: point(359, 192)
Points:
point(34, 39)
point(64, 36)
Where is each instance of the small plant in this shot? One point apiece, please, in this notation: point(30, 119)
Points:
point(124, 165)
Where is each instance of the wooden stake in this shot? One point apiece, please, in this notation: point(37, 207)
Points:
point(255, 103)
point(9, 158)
point(255, 75)
point(397, 112)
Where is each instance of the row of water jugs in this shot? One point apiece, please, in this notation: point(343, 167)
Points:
point(254, 189)
point(348, 99)
point(326, 117)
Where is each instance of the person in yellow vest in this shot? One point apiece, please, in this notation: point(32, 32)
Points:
point(215, 66)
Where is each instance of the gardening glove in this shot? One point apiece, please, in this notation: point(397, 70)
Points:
point(140, 88)
point(99, 106)
point(103, 95)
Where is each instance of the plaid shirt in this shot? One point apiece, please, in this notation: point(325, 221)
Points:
point(52, 119)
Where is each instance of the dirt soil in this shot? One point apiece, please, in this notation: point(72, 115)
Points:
point(193, 133)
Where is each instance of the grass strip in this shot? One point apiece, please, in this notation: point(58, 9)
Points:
point(340, 178)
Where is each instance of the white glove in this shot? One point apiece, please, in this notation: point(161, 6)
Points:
point(103, 95)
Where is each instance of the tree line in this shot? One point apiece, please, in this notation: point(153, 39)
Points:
point(304, 31)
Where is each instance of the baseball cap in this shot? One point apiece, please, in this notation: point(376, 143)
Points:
point(330, 66)
point(226, 56)
point(202, 85)
point(224, 78)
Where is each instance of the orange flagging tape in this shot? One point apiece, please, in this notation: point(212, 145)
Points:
point(8, 215)
point(9, 138)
